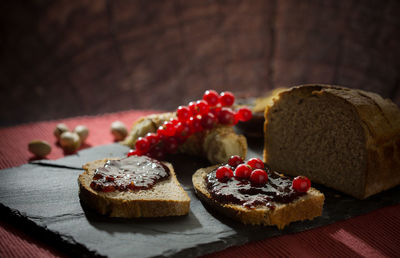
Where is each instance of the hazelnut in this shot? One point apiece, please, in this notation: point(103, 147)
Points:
point(118, 129)
point(39, 148)
point(60, 128)
point(70, 142)
point(82, 131)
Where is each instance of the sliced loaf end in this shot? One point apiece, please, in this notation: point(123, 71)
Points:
point(319, 136)
point(343, 138)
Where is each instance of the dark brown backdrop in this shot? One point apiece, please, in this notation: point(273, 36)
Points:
point(66, 58)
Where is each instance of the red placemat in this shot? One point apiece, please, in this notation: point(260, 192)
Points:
point(14, 140)
point(370, 235)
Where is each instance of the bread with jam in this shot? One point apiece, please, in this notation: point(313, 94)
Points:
point(346, 139)
point(275, 203)
point(132, 187)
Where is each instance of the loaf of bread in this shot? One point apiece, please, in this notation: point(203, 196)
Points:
point(165, 198)
point(306, 207)
point(343, 138)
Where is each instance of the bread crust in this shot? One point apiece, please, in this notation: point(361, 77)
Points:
point(304, 208)
point(139, 203)
point(380, 120)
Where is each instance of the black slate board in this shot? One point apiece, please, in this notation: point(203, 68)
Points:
point(44, 194)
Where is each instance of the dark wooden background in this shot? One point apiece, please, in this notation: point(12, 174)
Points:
point(67, 58)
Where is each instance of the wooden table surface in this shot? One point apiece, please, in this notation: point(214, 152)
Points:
point(67, 58)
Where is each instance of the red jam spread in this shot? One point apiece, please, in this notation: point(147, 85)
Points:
point(278, 190)
point(132, 173)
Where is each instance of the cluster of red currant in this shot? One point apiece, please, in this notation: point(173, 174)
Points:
point(253, 170)
point(199, 115)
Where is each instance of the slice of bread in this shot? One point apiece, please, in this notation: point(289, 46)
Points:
point(306, 207)
point(165, 198)
point(343, 138)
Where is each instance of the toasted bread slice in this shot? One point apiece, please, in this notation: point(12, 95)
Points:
point(165, 198)
point(306, 207)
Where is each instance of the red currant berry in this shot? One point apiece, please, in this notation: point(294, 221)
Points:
point(193, 108)
point(182, 132)
point(152, 138)
point(142, 145)
point(202, 107)
point(235, 118)
point(174, 121)
point(161, 131)
point(182, 129)
point(235, 161)
point(259, 177)
point(195, 124)
point(301, 184)
point(245, 114)
point(215, 110)
point(226, 116)
point(132, 153)
point(227, 99)
point(169, 129)
point(212, 97)
point(183, 113)
point(171, 145)
point(224, 173)
point(255, 163)
point(243, 171)
point(208, 121)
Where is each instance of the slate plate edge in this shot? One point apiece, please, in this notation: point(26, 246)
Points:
point(61, 242)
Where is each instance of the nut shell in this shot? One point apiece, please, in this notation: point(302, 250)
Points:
point(82, 131)
point(39, 148)
point(60, 129)
point(70, 142)
point(118, 130)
